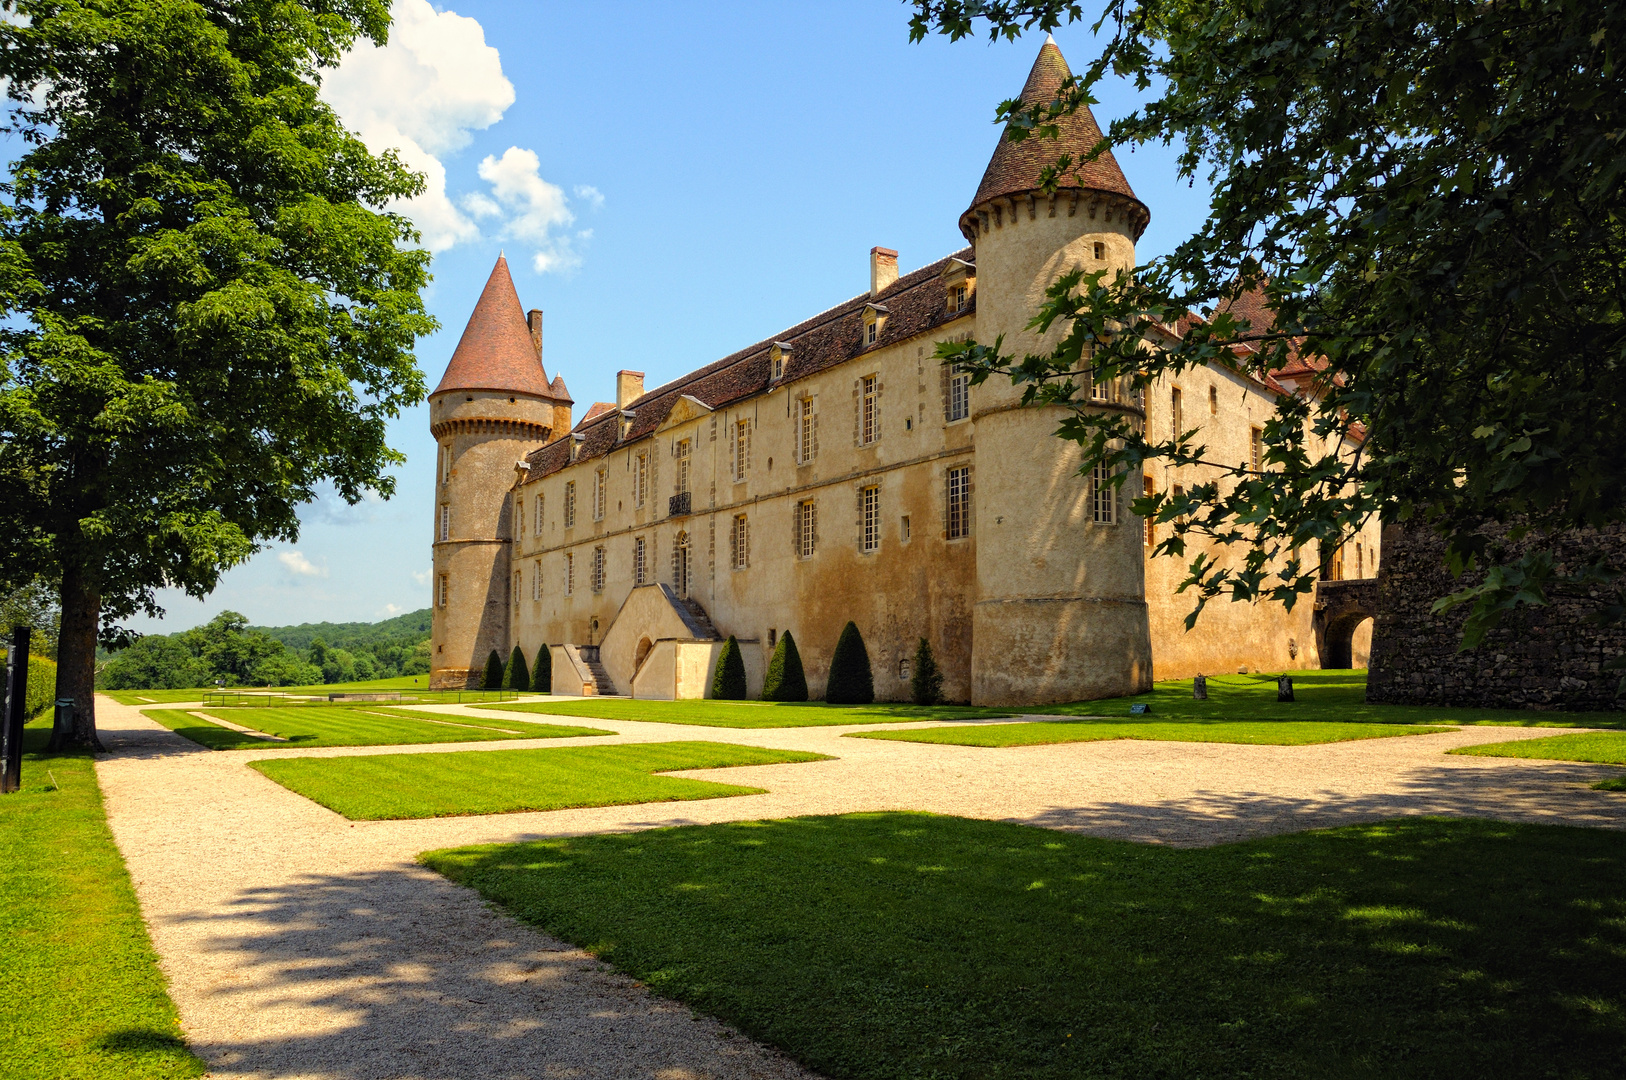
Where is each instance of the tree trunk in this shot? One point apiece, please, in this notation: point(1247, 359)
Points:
point(76, 657)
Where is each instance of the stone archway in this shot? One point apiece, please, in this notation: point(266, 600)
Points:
point(1340, 608)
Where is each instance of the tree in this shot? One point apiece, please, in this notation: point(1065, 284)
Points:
point(728, 681)
point(785, 680)
point(493, 677)
point(34, 605)
point(542, 674)
point(205, 315)
point(926, 681)
point(518, 676)
point(1417, 211)
point(851, 681)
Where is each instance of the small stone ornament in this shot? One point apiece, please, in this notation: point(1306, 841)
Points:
point(1199, 688)
point(1284, 688)
point(1140, 708)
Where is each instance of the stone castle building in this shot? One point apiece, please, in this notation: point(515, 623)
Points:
point(838, 471)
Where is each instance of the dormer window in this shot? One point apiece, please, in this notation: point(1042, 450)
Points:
point(576, 440)
point(627, 418)
point(959, 280)
point(778, 360)
point(874, 322)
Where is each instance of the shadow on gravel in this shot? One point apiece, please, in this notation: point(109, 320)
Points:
point(1531, 791)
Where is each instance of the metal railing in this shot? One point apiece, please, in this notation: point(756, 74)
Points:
point(678, 505)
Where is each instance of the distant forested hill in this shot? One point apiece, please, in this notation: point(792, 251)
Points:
point(408, 629)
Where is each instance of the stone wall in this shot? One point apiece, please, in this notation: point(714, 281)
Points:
point(1539, 658)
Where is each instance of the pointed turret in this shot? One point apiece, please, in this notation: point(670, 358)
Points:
point(497, 351)
point(1015, 171)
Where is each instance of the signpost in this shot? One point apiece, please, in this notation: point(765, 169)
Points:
point(16, 714)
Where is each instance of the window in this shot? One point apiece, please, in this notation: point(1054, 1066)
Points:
point(1178, 493)
point(739, 543)
point(957, 402)
point(1177, 412)
point(597, 581)
point(1100, 250)
point(683, 466)
point(1213, 401)
point(446, 463)
point(872, 330)
point(869, 419)
point(445, 522)
point(640, 562)
point(807, 444)
point(538, 529)
point(640, 478)
point(516, 589)
point(957, 296)
point(1256, 449)
point(519, 512)
point(807, 528)
point(598, 495)
point(441, 600)
point(536, 580)
point(742, 449)
point(1151, 520)
point(1105, 499)
point(904, 529)
point(1358, 566)
point(869, 513)
point(570, 505)
point(773, 637)
point(959, 502)
point(570, 573)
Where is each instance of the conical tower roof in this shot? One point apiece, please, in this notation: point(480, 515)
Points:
point(1016, 166)
point(496, 351)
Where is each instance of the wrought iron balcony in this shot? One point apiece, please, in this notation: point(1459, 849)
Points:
point(678, 505)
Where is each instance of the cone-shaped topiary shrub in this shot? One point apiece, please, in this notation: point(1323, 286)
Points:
point(518, 676)
point(542, 674)
point(785, 680)
point(728, 684)
point(493, 675)
point(851, 682)
point(926, 684)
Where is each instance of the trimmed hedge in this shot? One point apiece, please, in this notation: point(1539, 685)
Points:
point(728, 684)
point(851, 682)
point(785, 679)
point(926, 681)
point(518, 675)
point(493, 675)
point(542, 674)
point(41, 693)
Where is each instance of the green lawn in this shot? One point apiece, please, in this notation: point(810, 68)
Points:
point(890, 946)
point(165, 697)
point(1603, 747)
point(82, 995)
point(154, 697)
point(1270, 732)
point(504, 781)
point(1322, 695)
point(352, 725)
point(749, 714)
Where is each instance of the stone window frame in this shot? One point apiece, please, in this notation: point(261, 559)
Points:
point(601, 483)
point(445, 590)
point(956, 393)
point(1256, 449)
point(519, 512)
point(867, 392)
point(445, 521)
point(869, 518)
point(640, 478)
point(741, 449)
point(598, 569)
point(640, 561)
point(536, 580)
point(519, 576)
point(446, 463)
point(683, 451)
point(1103, 496)
point(739, 542)
point(957, 518)
point(807, 428)
point(805, 528)
point(570, 573)
point(1177, 410)
point(570, 504)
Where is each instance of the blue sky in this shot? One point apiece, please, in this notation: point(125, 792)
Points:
point(669, 186)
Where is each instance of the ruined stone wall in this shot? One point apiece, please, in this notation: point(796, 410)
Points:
point(1541, 658)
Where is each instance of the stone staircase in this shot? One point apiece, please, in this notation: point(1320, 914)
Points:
point(701, 621)
point(601, 678)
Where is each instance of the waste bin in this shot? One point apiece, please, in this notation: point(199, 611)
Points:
point(62, 725)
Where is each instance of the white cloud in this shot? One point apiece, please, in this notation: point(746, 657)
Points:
point(421, 576)
point(300, 566)
point(591, 195)
point(392, 609)
point(423, 94)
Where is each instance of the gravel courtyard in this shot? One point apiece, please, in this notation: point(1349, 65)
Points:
point(302, 945)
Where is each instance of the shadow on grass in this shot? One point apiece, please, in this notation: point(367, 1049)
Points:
point(897, 945)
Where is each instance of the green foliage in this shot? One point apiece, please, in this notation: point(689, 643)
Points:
point(34, 605)
point(41, 690)
point(542, 674)
point(728, 681)
point(850, 682)
point(493, 677)
point(225, 649)
point(1603, 747)
point(926, 679)
point(84, 997)
point(893, 946)
point(517, 676)
point(785, 680)
point(395, 646)
point(1256, 733)
point(1430, 195)
point(206, 315)
point(391, 786)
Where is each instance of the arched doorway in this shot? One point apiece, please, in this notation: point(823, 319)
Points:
point(1344, 614)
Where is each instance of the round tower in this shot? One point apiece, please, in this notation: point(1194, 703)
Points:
point(1061, 607)
point(493, 405)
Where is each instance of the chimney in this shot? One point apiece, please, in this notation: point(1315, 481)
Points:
point(534, 317)
point(629, 387)
point(883, 269)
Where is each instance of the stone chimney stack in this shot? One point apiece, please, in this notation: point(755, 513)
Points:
point(534, 318)
point(629, 387)
point(883, 269)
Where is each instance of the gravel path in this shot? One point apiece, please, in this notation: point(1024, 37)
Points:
point(301, 945)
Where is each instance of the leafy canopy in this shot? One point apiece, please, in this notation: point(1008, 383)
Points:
point(1428, 195)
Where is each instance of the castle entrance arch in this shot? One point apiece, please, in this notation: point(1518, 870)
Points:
point(680, 566)
point(1340, 609)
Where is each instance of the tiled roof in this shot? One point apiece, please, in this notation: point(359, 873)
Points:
point(596, 410)
point(1015, 166)
point(496, 351)
point(916, 303)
